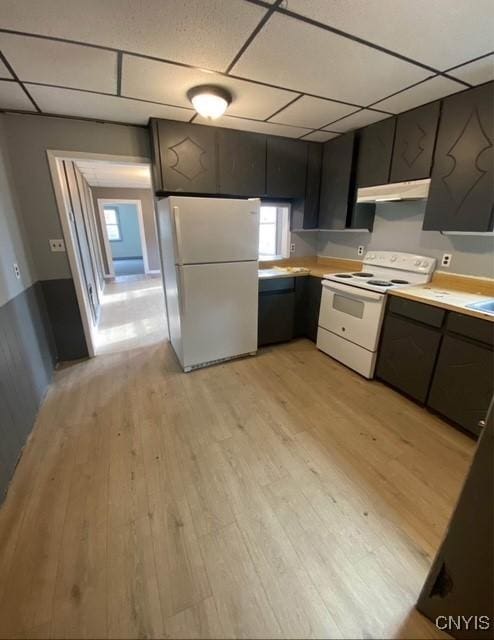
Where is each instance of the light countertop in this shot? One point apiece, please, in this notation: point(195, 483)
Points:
point(277, 272)
point(450, 299)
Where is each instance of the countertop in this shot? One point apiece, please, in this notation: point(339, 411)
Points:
point(450, 299)
point(268, 274)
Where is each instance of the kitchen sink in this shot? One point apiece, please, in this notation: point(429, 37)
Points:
point(487, 306)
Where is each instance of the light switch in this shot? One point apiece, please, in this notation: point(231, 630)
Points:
point(57, 245)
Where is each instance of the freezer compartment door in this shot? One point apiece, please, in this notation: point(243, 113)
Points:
point(219, 311)
point(215, 230)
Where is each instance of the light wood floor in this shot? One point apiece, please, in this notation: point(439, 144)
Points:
point(280, 496)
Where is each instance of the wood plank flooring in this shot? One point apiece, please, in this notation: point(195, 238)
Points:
point(281, 496)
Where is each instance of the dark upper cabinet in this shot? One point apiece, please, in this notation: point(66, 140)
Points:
point(407, 355)
point(305, 211)
point(187, 154)
point(336, 182)
point(374, 154)
point(414, 143)
point(241, 163)
point(286, 161)
point(461, 194)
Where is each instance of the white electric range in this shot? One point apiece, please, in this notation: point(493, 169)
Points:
point(352, 305)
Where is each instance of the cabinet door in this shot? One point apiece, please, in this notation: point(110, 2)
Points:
point(407, 355)
point(286, 162)
point(374, 155)
point(414, 143)
point(463, 382)
point(336, 182)
point(188, 157)
point(305, 211)
point(242, 163)
point(461, 194)
point(276, 317)
point(308, 291)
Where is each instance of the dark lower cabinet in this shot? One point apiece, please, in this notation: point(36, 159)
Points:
point(242, 163)
point(308, 292)
point(288, 308)
point(463, 382)
point(276, 321)
point(407, 355)
point(461, 197)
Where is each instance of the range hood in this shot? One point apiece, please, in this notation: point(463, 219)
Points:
point(414, 190)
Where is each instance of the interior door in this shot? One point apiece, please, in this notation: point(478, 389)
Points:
point(219, 310)
point(213, 230)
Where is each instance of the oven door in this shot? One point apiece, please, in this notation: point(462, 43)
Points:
point(352, 313)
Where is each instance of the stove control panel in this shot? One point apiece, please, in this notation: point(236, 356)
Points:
point(403, 261)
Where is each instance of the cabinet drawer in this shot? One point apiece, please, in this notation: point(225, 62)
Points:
point(432, 316)
point(276, 284)
point(474, 328)
point(463, 382)
point(407, 355)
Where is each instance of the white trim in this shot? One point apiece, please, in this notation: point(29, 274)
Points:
point(55, 156)
point(102, 202)
point(109, 270)
point(54, 164)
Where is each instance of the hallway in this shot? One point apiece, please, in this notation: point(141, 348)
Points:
point(132, 314)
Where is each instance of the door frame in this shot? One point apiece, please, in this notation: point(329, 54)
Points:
point(55, 158)
point(102, 202)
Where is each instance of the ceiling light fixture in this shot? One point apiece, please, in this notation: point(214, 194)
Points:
point(209, 101)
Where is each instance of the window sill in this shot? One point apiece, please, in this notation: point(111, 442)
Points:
point(270, 258)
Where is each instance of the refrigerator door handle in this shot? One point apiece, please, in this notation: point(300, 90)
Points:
point(177, 234)
point(181, 290)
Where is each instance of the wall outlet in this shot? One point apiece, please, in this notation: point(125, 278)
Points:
point(360, 250)
point(446, 260)
point(292, 247)
point(17, 271)
point(57, 245)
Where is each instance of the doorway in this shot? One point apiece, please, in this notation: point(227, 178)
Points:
point(107, 212)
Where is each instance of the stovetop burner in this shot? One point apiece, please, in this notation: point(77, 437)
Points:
point(342, 275)
point(398, 281)
point(363, 274)
point(380, 283)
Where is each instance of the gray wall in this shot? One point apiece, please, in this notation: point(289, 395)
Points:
point(148, 214)
point(306, 243)
point(12, 234)
point(28, 138)
point(398, 226)
point(129, 245)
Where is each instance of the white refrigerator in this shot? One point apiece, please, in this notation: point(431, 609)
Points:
point(209, 256)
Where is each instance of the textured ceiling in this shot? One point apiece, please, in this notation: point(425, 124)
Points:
point(100, 173)
point(301, 68)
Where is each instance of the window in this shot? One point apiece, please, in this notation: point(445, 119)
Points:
point(112, 222)
point(274, 231)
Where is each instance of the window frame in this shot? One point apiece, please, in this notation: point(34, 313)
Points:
point(283, 215)
point(113, 224)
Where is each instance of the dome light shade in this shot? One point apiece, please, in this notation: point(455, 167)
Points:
point(209, 101)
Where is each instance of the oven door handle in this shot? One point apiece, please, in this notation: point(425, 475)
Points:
point(352, 292)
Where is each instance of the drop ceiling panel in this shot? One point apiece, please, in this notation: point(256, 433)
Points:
point(106, 174)
point(13, 97)
point(422, 93)
point(312, 112)
point(299, 56)
point(161, 82)
point(476, 72)
point(68, 65)
point(357, 120)
point(89, 105)
point(437, 33)
point(320, 136)
point(4, 72)
point(253, 125)
point(199, 32)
